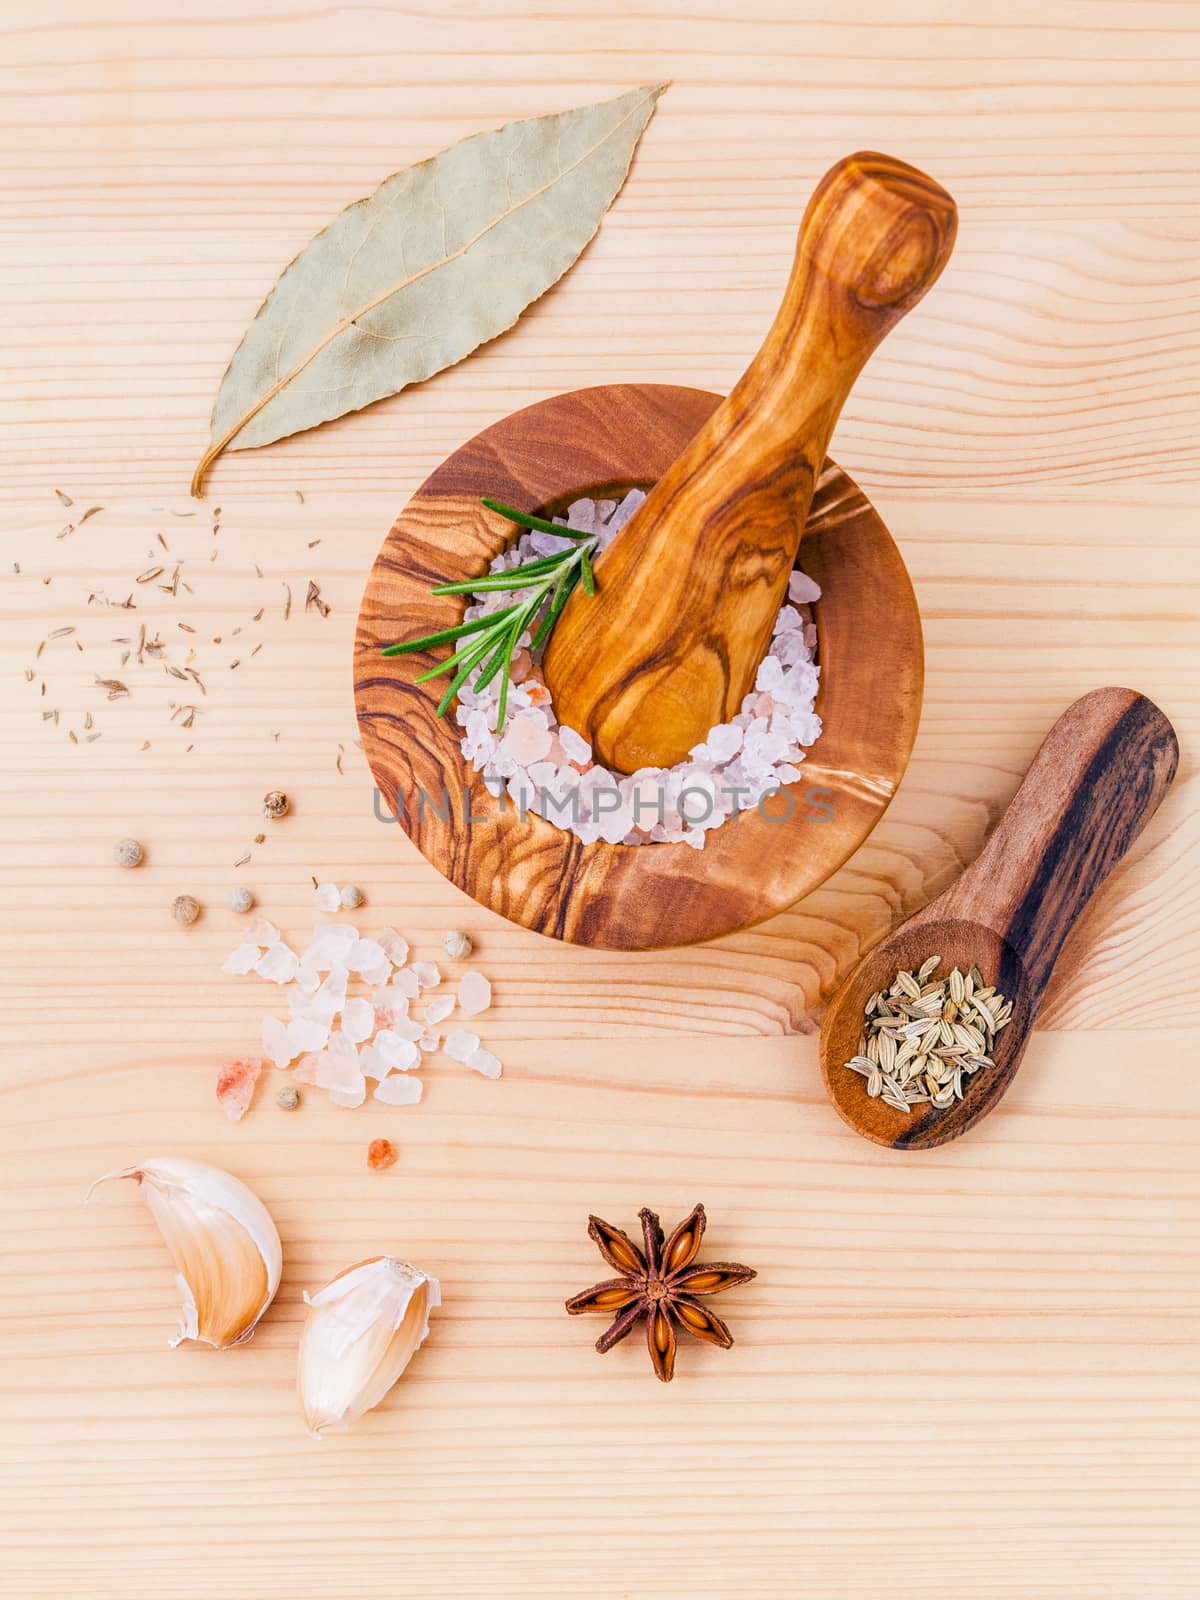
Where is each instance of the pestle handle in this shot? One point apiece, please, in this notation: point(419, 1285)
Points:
point(688, 594)
point(875, 236)
point(1099, 776)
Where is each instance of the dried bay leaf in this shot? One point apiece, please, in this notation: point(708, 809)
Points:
point(441, 258)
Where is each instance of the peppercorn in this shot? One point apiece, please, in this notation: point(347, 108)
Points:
point(352, 897)
point(288, 1097)
point(127, 853)
point(457, 946)
point(275, 805)
point(240, 900)
point(185, 909)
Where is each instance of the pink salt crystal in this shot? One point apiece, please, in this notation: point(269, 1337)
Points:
point(352, 1096)
point(400, 1091)
point(358, 1020)
point(371, 1062)
point(439, 1008)
point(306, 1033)
point(406, 982)
point(485, 1062)
point(305, 1070)
point(460, 1044)
point(276, 1042)
point(400, 1054)
point(278, 963)
point(802, 589)
point(241, 960)
point(394, 947)
point(427, 973)
point(575, 746)
point(474, 995)
point(235, 1086)
point(261, 932)
point(527, 738)
point(365, 955)
point(389, 1004)
point(381, 1153)
point(539, 695)
point(522, 664)
point(429, 1041)
point(328, 897)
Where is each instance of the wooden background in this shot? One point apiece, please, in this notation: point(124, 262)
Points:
point(969, 1373)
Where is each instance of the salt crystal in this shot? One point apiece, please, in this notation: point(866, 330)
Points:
point(307, 979)
point(365, 955)
point(429, 1041)
point(474, 995)
point(389, 1004)
point(427, 974)
point(262, 932)
point(338, 1066)
point(235, 1086)
point(352, 1096)
point(306, 1033)
point(485, 1062)
point(371, 1062)
point(399, 1053)
point(358, 1020)
point(278, 962)
point(331, 941)
point(305, 1070)
point(330, 997)
point(526, 739)
point(802, 590)
point(439, 1008)
point(241, 960)
point(575, 746)
point(460, 1044)
point(277, 1043)
point(328, 897)
point(394, 946)
point(406, 983)
point(400, 1091)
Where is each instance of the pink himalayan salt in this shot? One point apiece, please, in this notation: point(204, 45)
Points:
point(522, 665)
point(474, 995)
point(235, 1086)
point(381, 1153)
point(538, 694)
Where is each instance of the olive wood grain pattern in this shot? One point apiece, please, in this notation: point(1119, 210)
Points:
point(1097, 779)
point(669, 646)
point(617, 896)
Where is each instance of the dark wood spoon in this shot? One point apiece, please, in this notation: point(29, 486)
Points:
point(1098, 778)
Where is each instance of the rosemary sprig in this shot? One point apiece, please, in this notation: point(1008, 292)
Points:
point(542, 587)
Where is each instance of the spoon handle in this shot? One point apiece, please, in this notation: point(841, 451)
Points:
point(1099, 777)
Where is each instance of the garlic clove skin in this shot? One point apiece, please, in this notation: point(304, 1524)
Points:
point(362, 1330)
point(224, 1244)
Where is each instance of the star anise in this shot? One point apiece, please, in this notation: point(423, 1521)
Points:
point(660, 1282)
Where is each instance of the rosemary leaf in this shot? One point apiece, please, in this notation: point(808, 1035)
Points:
point(526, 519)
point(446, 634)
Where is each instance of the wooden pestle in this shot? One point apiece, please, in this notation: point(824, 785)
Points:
point(687, 595)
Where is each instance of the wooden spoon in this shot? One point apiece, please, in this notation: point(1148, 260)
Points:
point(687, 596)
point(1097, 780)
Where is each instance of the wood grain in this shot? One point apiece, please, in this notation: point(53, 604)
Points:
point(528, 869)
point(668, 646)
point(1012, 1320)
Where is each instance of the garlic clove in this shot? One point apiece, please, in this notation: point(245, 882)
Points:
point(363, 1329)
point(225, 1246)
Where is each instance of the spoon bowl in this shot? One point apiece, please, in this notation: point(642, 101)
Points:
point(1099, 777)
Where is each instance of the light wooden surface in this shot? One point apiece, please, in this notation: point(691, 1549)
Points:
point(968, 1373)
